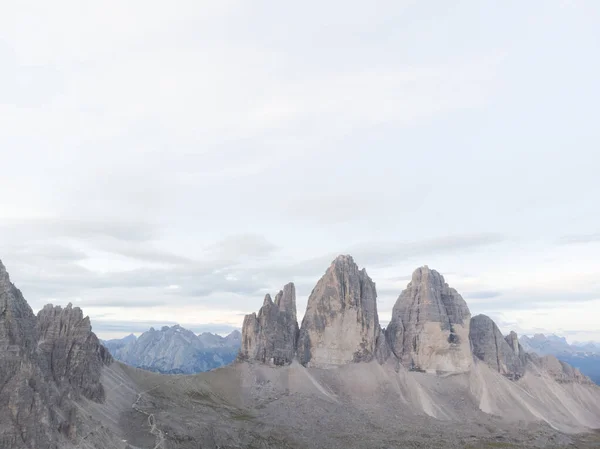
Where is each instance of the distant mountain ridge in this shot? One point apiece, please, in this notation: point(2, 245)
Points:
point(175, 350)
point(553, 344)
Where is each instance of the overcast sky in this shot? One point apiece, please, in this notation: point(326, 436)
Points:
point(173, 162)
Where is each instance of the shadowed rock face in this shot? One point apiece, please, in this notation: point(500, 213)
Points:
point(429, 329)
point(341, 323)
point(271, 337)
point(489, 345)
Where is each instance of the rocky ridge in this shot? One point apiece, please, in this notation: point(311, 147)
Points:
point(431, 329)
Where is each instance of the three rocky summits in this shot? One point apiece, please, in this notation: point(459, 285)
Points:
point(312, 385)
point(431, 329)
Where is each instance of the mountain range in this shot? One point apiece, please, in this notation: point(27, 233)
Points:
point(175, 350)
point(435, 377)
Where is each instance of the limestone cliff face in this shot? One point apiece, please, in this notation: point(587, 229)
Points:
point(429, 329)
point(504, 355)
point(341, 324)
point(271, 336)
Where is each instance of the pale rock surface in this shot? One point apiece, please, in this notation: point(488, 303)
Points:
point(271, 336)
point(560, 371)
point(490, 346)
point(341, 324)
point(429, 329)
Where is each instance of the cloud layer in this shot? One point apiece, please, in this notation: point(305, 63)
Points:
point(177, 164)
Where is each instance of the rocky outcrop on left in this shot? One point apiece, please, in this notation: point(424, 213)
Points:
point(70, 353)
point(429, 329)
point(504, 355)
point(341, 324)
point(44, 365)
point(271, 336)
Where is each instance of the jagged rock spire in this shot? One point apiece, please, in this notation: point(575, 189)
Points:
point(271, 336)
point(341, 324)
point(513, 341)
point(429, 329)
point(70, 352)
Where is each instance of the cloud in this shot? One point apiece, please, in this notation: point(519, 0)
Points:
point(390, 252)
point(157, 164)
point(42, 253)
point(482, 294)
point(80, 229)
point(373, 256)
point(579, 238)
point(115, 302)
point(242, 245)
point(330, 208)
point(142, 251)
point(528, 299)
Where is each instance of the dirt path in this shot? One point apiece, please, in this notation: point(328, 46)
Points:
point(154, 430)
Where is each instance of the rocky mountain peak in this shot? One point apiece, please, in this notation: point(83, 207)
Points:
point(3, 272)
point(490, 346)
point(341, 324)
point(513, 341)
point(429, 329)
point(286, 299)
point(69, 351)
point(267, 301)
point(271, 336)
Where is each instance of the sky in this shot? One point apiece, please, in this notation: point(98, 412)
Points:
point(173, 163)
